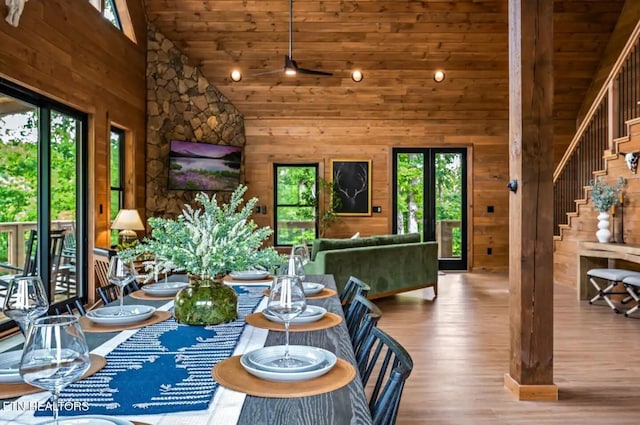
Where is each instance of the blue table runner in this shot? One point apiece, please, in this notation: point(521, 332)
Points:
point(162, 368)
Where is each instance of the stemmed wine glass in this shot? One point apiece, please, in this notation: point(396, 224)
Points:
point(302, 251)
point(26, 300)
point(120, 274)
point(286, 301)
point(294, 267)
point(55, 354)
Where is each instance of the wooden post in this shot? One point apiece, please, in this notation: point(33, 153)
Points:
point(530, 374)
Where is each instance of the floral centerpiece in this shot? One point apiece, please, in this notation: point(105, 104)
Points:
point(207, 243)
point(604, 197)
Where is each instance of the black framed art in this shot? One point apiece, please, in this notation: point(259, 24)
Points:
point(352, 184)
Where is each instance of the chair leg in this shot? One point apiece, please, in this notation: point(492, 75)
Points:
point(632, 290)
point(604, 293)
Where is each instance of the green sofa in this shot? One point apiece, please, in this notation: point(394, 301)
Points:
point(389, 264)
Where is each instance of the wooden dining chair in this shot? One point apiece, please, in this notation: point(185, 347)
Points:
point(360, 318)
point(110, 292)
point(101, 266)
point(388, 365)
point(353, 287)
point(68, 306)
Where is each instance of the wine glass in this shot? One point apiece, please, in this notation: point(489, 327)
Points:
point(286, 301)
point(302, 251)
point(120, 274)
point(26, 300)
point(294, 267)
point(55, 354)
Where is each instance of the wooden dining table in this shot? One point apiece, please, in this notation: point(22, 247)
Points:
point(347, 405)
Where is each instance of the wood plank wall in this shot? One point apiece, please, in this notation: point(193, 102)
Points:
point(66, 51)
point(319, 141)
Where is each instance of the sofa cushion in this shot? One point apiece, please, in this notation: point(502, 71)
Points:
point(396, 239)
point(327, 244)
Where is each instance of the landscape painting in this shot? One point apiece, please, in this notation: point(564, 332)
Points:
point(202, 166)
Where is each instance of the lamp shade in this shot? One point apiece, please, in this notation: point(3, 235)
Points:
point(128, 220)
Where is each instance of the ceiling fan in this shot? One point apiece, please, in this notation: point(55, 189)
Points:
point(290, 65)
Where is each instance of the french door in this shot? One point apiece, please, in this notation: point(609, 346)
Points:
point(43, 146)
point(430, 198)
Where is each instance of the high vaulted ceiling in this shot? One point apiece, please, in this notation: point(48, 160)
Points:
point(397, 44)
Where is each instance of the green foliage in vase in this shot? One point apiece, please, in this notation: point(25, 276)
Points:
point(209, 241)
point(605, 196)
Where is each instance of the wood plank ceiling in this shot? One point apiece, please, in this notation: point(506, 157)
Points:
point(396, 44)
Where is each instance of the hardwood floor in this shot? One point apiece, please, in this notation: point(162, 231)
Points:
point(460, 348)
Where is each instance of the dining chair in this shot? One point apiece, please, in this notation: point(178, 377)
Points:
point(360, 318)
point(68, 306)
point(389, 364)
point(28, 267)
point(101, 266)
point(353, 287)
point(109, 293)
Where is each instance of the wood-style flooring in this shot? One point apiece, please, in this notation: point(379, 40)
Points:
point(460, 347)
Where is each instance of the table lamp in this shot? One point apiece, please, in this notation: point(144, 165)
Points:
point(127, 221)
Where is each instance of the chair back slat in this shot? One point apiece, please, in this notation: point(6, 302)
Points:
point(110, 292)
point(68, 306)
point(353, 287)
point(382, 358)
point(361, 316)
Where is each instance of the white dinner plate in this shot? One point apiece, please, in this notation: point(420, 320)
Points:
point(249, 274)
point(291, 376)
point(312, 288)
point(92, 420)
point(266, 358)
point(163, 289)
point(109, 315)
point(311, 314)
point(10, 367)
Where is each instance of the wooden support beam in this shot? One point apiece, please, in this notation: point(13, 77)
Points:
point(530, 374)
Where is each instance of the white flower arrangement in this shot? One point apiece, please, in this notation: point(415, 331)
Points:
point(207, 242)
point(605, 196)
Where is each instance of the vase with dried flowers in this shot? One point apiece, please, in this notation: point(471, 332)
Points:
point(603, 197)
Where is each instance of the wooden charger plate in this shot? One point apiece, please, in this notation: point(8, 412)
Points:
point(141, 295)
point(325, 293)
point(230, 374)
point(22, 388)
point(157, 317)
point(259, 321)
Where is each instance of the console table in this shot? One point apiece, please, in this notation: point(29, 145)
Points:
point(593, 255)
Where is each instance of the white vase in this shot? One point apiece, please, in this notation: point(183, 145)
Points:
point(603, 234)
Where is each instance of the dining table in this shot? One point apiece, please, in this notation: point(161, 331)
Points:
point(342, 406)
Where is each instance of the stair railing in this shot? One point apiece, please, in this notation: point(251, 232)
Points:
point(616, 103)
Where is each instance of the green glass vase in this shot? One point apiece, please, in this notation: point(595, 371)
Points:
point(206, 301)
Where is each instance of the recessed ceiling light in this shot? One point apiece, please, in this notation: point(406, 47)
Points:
point(438, 76)
point(236, 75)
point(357, 76)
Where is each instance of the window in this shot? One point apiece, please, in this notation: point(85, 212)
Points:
point(43, 192)
point(116, 177)
point(111, 13)
point(296, 203)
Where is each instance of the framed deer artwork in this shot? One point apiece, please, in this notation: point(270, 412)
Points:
point(352, 184)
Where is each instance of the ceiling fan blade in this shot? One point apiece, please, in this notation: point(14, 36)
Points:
point(313, 72)
point(266, 72)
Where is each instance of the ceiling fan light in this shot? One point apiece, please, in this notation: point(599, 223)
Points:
point(236, 75)
point(290, 71)
point(357, 76)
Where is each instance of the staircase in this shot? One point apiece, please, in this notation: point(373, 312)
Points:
point(610, 128)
